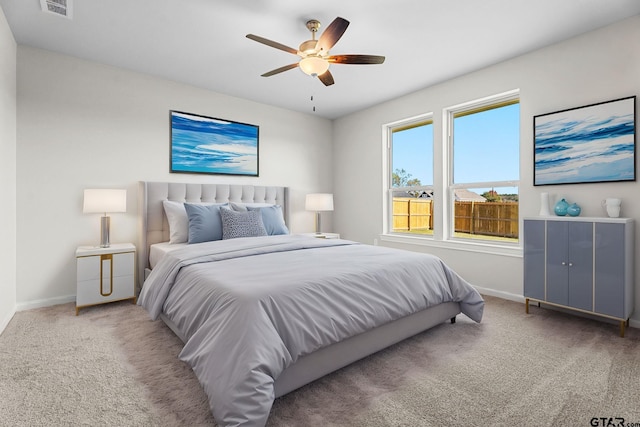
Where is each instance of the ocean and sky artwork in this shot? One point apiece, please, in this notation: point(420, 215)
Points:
point(594, 143)
point(202, 144)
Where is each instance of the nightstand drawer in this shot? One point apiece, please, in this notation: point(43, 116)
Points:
point(90, 267)
point(91, 292)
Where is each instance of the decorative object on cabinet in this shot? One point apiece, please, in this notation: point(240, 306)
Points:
point(593, 143)
point(319, 202)
point(561, 207)
point(105, 274)
point(104, 201)
point(574, 210)
point(612, 207)
point(201, 144)
point(583, 264)
point(544, 205)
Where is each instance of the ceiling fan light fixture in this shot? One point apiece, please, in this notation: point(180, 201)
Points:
point(308, 47)
point(314, 65)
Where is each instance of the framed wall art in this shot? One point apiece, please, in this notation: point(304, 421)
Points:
point(201, 144)
point(593, 143)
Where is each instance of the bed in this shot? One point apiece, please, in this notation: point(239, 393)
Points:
point(263, 316)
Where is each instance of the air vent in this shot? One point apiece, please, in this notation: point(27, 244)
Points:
point(57, 7)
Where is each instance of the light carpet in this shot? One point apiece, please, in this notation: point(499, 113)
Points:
point(112, 366)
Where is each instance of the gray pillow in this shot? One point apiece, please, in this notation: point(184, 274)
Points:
point(241, 224)
point(205, 223)
point(272, 218)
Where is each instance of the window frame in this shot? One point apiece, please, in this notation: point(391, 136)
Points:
point(443, 212)
point(388, 130)
point(449, 114)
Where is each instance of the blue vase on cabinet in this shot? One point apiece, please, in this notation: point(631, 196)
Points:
point(561, 208)
point(574, 210)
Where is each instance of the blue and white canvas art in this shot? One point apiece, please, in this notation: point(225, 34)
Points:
point(202, 144)
point(595, 143)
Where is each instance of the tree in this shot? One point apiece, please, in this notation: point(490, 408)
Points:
point(492, 196)
point(401, 178)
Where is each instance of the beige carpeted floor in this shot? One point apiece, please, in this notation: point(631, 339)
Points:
point(111, 366)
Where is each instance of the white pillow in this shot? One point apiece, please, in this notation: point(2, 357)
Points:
point(178, 220)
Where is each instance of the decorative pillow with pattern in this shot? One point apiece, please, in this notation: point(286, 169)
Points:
point(241, 224)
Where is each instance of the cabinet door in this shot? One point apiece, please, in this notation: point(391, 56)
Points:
point(581, 265)
point(534, 239)
point(557, 262)
point(610, 269)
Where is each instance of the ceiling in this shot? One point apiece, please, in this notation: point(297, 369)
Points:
point(203, 43)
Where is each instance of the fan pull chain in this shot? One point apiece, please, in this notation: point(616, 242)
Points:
point(312, 97)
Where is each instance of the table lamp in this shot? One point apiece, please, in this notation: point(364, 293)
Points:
point(104, 201)
point(319, 202)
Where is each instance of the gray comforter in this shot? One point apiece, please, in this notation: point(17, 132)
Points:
point(250, 307)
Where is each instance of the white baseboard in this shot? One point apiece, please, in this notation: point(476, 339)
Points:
point(500, 294)
point(4, 322)
point(45, 302)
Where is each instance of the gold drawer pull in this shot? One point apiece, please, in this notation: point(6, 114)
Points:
point(103, 258)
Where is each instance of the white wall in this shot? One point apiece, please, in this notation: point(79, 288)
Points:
point(7, 173)
point(83, 125)
point(598, 66)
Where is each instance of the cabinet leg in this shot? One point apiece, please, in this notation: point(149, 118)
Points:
point(623, 323)
point(526, 305)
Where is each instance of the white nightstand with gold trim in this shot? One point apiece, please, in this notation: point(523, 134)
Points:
point(105, 274)
point(323, 235)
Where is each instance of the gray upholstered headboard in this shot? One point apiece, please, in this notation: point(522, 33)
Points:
point(153, 226)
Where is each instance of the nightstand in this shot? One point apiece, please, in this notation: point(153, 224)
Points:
point(323, 235)
point(105, 274)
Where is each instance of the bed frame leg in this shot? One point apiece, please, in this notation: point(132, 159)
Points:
point(453, 319)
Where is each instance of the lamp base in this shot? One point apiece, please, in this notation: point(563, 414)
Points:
point(318, 223)
point(104, 231)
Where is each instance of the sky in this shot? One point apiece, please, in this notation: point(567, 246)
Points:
point(486, 148)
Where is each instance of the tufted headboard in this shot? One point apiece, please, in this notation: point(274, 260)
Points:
point(153, 226)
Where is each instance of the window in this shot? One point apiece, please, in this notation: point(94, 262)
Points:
point(463, 190)
point(411, 176)
point(484, 166)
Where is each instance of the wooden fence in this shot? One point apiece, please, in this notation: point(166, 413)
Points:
point(486, 218)
point(411, 214)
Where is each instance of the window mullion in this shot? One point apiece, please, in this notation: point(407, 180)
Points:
point(446, 200)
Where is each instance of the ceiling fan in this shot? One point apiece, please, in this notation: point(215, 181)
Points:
point(315, 53)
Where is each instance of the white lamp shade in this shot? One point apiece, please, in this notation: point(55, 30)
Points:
point(319, 202)
point(104, 200)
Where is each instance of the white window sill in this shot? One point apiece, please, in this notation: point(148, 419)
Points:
point(513, 250)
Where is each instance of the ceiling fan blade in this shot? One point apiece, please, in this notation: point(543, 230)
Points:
point(332, 34)
point(272, 43)
point(280, 70)
point(356, 59)
point(326, 78)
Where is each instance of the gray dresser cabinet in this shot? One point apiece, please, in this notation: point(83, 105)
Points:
point(584, 264)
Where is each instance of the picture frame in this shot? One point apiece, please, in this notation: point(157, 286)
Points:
point(588, 144)
point(208, 145)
